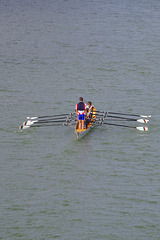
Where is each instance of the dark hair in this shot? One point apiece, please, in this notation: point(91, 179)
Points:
point(90, 102)
point(81, 99)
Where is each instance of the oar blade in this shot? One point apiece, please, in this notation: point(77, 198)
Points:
point(124, 114)
point(23, 127)
point(143, 120)
point(144, 116)
point(29, 123)
point(32, 118)
point(143, 129)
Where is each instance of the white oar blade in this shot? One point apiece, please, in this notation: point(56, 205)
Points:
point(143, 120)
point(23, 127)
point(29, 123)
point(32, 118)
point(144, 116)
point(144, 129)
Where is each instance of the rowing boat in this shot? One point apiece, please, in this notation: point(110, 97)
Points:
point(97, 118)
point(82, 132)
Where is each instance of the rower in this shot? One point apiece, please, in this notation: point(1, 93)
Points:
point(89, 109)
point(89, 112)
point(81, 113)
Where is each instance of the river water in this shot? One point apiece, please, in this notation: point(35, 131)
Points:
point(107, 185)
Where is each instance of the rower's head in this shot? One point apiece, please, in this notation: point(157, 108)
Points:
point(89, 104)
point(81, 99)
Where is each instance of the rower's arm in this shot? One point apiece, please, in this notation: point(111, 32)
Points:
point(76, 114)
point(86, 113)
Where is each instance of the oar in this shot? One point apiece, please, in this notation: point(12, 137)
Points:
point(120, 125)
point(31, 122)
point(61, 119)
point(128, 119)
point(51, 116)
point(23, 127)
point(126, 114)
point(123, 118)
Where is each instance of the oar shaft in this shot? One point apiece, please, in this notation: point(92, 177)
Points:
point(123, 118)
point(54, 120)
point(125, 114)
point(133, 115)
point(50, 121)
point(23, 127)
point(51, 116)
point(118, 118)
point(29, 122)
point(118, 125)
point(126, 126)
point(46, 125)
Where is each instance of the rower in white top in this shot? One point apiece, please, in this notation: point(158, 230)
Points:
point(89, 109)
